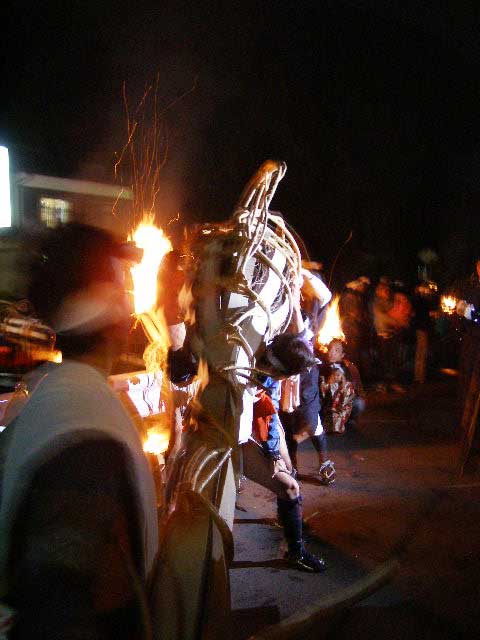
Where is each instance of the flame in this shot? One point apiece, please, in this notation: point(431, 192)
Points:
point(331, 327)
point(48, 355)
point(155, 246)
point(186, 302)
point(448, 304)
point(144, 275)
point(156, 442)
point(202, 374)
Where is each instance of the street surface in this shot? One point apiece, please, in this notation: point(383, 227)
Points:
point(396, 496)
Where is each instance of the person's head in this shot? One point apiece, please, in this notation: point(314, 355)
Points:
point(335, 351)
point(364, 283)
point(288, 355)
point(360, 285)
point(77, 287)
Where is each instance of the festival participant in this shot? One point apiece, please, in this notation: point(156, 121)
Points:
point(425, 302)
point(392, 314)
point(269, 465)
point(300, 403)
point(468, 307)
point(341, 389)
point(78, 506)
point(356, 323)
point(266, 462)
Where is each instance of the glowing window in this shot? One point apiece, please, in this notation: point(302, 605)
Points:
point(54, 211)
point(5, 208)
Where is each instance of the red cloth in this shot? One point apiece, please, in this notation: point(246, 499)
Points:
point(263, 410)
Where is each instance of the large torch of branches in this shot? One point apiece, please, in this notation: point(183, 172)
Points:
point(144, 276)
point(138, 166)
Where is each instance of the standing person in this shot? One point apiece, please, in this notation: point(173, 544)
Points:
point(424, 302)
point(469, 308)
point(401, 313)
point(356, 324)
point(384, 326)
point(78, 507)
point(300, 403)
point(469, 363)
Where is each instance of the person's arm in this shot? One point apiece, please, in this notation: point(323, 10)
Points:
point(316, 288)
point(74, 548)
point(296, 323)
point(271, 446)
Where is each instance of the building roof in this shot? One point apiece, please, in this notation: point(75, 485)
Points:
point(69, 185)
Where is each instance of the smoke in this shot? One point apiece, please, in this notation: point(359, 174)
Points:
point(152, 50)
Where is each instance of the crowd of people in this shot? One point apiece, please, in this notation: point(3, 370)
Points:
point(388, 330)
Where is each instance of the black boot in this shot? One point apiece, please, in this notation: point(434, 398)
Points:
point(290, 517)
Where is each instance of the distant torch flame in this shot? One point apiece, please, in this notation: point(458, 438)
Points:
point(448, 304)
point(155, 245)
point(331, 327)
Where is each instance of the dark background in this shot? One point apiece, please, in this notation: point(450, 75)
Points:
point(373, 105)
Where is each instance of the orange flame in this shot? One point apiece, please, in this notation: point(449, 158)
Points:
point(144, 275)
point(448, 304)
point(331, 327)
point(156, 442)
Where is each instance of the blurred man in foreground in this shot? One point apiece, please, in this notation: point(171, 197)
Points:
point(78, 510)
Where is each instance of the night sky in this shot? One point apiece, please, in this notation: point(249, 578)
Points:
point(373, 105)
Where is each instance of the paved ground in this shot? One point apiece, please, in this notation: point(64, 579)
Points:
point(396, 496)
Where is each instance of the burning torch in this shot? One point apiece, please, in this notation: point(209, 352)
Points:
point(331, 328)
point(155, 246)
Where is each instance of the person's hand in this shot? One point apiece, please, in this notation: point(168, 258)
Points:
point(279, 466)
